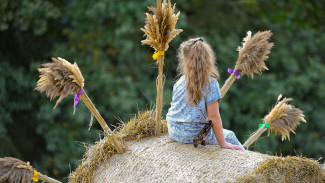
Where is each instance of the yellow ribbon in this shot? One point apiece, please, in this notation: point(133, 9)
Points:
point(155, 55)
point(35, 179)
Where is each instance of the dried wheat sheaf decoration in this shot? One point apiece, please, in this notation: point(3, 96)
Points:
point(283, 119)
point(160, 25)
point(159, 31)
point(61, 78)
point(13, 170)
point(251, 58)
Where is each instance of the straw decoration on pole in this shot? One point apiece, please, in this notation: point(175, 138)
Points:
point(251, 58)
point(159, 31)
point(283, 118)
point(13, 170)
point(61, 78)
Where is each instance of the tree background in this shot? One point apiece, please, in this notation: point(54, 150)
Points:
point(104, 36)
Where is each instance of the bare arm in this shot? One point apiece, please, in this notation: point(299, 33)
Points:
point(214, 115)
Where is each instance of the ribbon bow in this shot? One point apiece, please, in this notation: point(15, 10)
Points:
point(155, 55)
point(264, 124)
point(77, 97)
point(234, 71)
point(35, 179)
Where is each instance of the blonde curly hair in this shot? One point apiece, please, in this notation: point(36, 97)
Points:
point(197, 62)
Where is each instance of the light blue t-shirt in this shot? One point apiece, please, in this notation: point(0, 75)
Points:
point(181, 111)
point(185, 121)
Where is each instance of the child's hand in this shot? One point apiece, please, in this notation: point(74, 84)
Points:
point(231, 146)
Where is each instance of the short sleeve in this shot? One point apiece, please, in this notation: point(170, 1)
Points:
point(214, 93)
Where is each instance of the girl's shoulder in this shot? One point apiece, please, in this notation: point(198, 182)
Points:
point(213, 80)
point(180, 81)
point(214, 83)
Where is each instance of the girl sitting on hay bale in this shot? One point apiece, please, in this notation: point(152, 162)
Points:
point(196, 98)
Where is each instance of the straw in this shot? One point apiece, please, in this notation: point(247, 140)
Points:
point(251, 58)
point(159, 31)
point(283, 119)
point(61, 78)
point(13, 170)
point(140, 126)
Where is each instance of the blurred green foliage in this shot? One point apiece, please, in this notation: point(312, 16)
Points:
point(104, 36)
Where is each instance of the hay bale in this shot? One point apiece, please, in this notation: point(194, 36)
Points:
point(160, 159)
point(150, 158)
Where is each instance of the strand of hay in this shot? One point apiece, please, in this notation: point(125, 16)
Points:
point(290, 169)
point(283, 119)
point(61, 78)
point(13, 170)
point(251, 58)
point(159, 30)
point(142, 125)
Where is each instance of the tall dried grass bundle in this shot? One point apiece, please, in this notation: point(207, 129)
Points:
point(142, 125)
point(61, 78)
point(253, 53)
point(289, 169)
point(10, 173)
point(251, 58)
point(160, 25)
point(13, 170)
point(159, 31)
point(283, 118)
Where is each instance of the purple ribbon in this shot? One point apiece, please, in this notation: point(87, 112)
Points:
point(77, 97)
point(235, 71)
